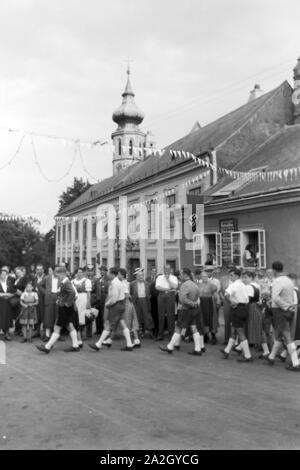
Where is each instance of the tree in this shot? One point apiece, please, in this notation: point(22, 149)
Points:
point(78, 187)
point(22, 244)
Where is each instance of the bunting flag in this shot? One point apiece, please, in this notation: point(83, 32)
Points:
point(261, 176)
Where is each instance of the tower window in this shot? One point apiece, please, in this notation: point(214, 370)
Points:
point(130, 147)
point(120, 147)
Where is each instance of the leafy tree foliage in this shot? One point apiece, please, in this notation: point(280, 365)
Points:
point(78, 187)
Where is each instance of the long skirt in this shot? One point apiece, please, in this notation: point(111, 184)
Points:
point(254, 327)
point(81, 303)
point(6, 315)
point(207, 308)
point(130, 316)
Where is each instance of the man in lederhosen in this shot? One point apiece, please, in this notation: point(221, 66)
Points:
point(66, 313)
point(237, 295)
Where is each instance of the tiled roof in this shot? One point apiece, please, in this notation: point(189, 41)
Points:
point(210, 136)
point(280, 152)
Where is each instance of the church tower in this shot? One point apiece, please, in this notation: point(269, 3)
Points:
point(128, 139)
point(296, 95)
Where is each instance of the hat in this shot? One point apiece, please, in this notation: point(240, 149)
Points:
point(138, 271)
point(103, 268)
point(5, 268)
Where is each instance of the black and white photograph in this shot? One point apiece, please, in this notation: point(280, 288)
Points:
point(149, 228)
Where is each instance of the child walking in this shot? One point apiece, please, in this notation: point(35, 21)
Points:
point(28, 318)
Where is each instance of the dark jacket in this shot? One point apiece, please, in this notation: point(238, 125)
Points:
point(101, 289)
point(134, 292)
point(66, 296)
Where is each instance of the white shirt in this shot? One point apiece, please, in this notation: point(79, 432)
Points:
point(4, 286)
point(238, 292)
point(282, 292)
point(115, 292)
point(87, 284)
point(169, 284)
point(141, 289)
point(54, 288)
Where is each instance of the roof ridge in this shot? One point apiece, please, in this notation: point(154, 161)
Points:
point(271, 94)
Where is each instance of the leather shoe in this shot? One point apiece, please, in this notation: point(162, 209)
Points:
point(94, 347)
point(195, 353)
point(245, 359)
point(72, 349)
point(107, 345)
point(165, 349)
point(291, 368)
point(225, 354)
point(177, 348)
point(270, 362)
point(137, 346)
point(43, 349)
point(263, 356)
point(127, 349)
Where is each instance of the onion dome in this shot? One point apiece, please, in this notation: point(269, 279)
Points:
point(128, 111)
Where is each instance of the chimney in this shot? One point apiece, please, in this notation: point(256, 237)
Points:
point(255, 93)
point(296, 94)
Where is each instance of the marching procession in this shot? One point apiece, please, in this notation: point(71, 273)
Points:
point(259, 309)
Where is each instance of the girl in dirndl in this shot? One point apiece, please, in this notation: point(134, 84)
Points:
point(83, 288)
point(28, 318)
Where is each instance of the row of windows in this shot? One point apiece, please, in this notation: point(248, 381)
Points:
point(67, 229)
point(132, 220)
point(208, 249)
point(130, 147)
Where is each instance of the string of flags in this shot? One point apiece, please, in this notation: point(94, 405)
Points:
point(250, 176)
point(154, 199)
point(138, 153)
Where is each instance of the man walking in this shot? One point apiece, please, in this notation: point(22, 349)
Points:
point(140, 294)
point(237, 295)
point(66, 314)
point(166, 284)
point(187, 315)
point(283, 313)
point(153, 299)
point(101, 291)
point(115, 303)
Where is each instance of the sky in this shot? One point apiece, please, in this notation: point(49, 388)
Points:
point(62, 73)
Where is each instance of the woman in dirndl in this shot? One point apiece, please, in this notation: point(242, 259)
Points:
point(83, 288)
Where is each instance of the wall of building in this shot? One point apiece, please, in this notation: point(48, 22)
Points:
point(282, 227)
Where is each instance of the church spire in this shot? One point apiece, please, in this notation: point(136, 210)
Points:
point(128, 88)
point(128, 112)
point(129, 140)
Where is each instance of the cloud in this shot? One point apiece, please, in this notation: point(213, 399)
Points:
point(63, 72)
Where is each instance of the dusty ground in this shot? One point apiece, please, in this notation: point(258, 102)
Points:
point(144, 400)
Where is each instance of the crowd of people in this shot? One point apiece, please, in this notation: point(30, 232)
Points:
point(260, 309)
